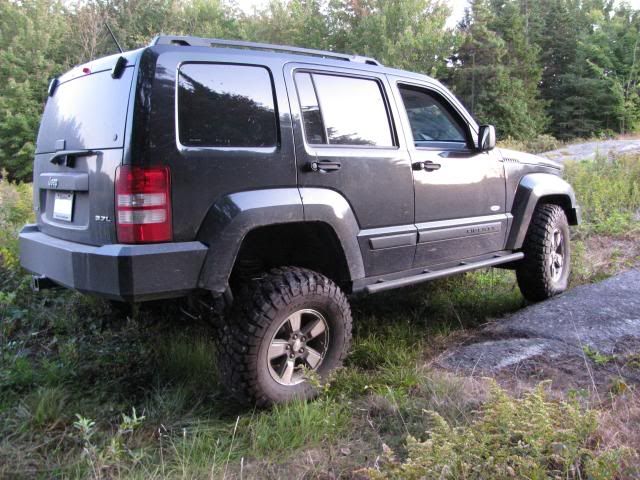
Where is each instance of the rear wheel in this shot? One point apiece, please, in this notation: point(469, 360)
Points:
point(285, 324)
point(544, 271)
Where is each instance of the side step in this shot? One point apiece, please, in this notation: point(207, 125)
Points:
point(423, 277)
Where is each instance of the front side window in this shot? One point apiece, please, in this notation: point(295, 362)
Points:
point(340, 110)
point(225, 106)
point(429, 118)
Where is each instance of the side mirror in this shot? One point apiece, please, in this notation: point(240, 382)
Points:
point(486, 138)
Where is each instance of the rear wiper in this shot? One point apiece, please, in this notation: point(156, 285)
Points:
point(65, 157)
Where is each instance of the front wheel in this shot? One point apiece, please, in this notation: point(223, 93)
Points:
point(544, 271)
point(290, 322)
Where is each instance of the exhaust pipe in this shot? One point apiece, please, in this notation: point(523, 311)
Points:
point(42, 283)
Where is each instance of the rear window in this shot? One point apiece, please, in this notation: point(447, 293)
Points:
point(338, 110)
point(88, 112)
point(222, 105)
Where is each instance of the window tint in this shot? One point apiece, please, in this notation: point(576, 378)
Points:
point(313, 126)
point(225, 106)
point(430, 120)
point(353, 111)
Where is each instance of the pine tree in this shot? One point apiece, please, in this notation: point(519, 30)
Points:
point(496, 73)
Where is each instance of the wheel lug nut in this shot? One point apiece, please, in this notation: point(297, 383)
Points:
point(287, 347)
point(292, 356)
point(301, 350)
point(295, 337)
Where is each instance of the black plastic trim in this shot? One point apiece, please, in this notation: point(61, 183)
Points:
point(129, 273)
point(390, 241)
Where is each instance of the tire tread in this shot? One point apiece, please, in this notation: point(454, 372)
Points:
point(534, 281)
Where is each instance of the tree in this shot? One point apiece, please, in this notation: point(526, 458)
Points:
point(408, 34)
point(568, 67)
point(32, 51)
point(298, 22)
point(496, 71)
point(591, 72)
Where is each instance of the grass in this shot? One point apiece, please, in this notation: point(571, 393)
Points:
point(609, 191)
point(87, 392)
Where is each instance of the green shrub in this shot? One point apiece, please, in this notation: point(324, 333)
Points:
point(532, 437)
point(15, 211)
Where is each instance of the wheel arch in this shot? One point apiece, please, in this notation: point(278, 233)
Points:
point(239, 220)
point(534, 189)
point(313, 245)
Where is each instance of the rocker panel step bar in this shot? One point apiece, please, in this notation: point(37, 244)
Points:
point(423, 277)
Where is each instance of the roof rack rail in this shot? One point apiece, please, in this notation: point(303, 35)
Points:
point(215, 42)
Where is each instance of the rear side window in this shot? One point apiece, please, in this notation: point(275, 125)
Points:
point(340, 110)
point(225, 106)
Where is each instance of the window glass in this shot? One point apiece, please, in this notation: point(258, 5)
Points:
point(225, 106)
point(353, 111)
point(313, 126)
point(430, 120)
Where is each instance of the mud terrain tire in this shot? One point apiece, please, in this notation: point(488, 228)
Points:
point(288, 308)
point(544, 271)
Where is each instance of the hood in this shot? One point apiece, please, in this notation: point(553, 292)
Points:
point(529, 159)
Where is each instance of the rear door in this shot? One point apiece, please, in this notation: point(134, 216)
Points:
point(459, 191)
point(80, 144)
point(347, 141)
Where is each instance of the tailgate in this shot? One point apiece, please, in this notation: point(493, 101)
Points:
point(80, 145)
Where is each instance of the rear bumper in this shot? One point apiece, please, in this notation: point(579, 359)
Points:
point(131, 273)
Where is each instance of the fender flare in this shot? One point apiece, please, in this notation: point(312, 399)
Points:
point(233, 216)
point(531, 189)
point(330, 207)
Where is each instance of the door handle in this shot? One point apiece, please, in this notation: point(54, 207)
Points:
point(428, 166)
point(324, 166)
point(65, 157)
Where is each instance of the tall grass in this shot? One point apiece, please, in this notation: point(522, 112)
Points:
point(608, 189)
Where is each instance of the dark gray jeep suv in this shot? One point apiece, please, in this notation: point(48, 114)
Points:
point(276, 181)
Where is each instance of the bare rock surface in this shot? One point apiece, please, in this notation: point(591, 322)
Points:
point(602, 317)
point(589, 150)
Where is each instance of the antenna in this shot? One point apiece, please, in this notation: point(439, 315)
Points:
point(113, 36)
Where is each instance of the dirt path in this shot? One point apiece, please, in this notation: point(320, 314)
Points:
point(589, 150)
point(588, 337)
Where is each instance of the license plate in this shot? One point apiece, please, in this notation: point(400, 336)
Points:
point(63, 206)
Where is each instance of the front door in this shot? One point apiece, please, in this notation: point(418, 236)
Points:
point(459, 191)
point(347, 143)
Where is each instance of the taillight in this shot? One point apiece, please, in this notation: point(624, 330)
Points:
point(143, 204)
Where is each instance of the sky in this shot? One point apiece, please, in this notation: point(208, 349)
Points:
point(457, 7)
